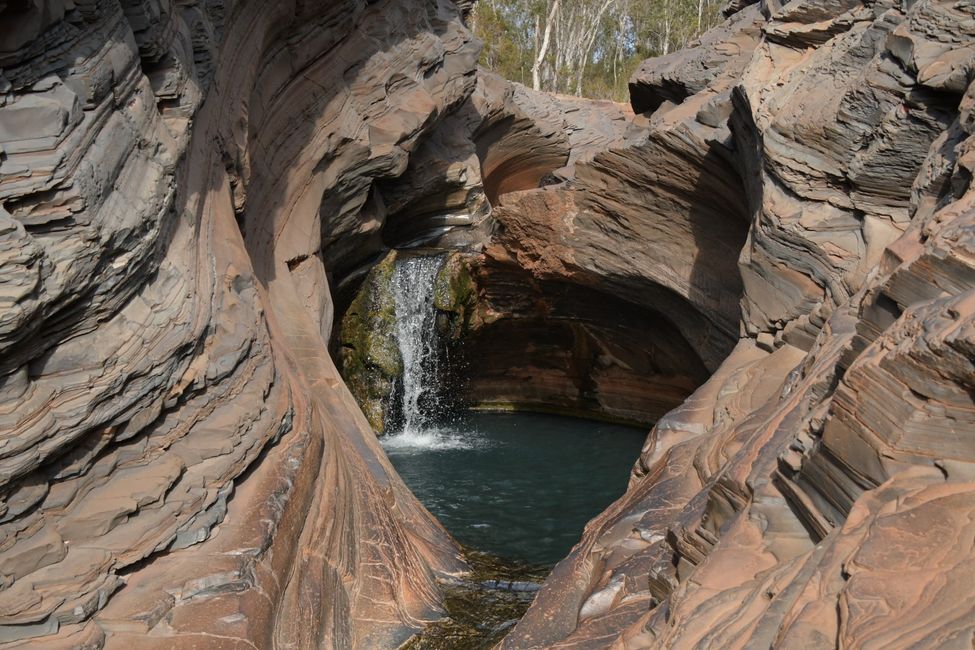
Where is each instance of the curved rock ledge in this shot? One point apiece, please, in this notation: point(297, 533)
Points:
point(815, 491)
point(784, 232)
point(182, 465)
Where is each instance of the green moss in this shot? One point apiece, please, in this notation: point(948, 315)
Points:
point(369, 355)
point(454, 287)
point(455, 294)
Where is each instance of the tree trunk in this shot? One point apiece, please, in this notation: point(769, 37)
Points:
point(587, 52)
point(616, 76)
point(666, 47)
point(540, 56)
point(538, 39)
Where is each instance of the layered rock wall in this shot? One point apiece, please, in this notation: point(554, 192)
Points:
point(575, 315)
point(815, 491)
point(182, 185)
point(181, 464)
point(584, 324)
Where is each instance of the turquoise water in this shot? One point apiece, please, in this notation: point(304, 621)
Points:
point(518, 485)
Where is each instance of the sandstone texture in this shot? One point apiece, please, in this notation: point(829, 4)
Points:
point(770, 255)
point(817, 490)
point(561, 319)
point(181, 465)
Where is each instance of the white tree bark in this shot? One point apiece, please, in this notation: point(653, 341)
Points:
point(543, 49)
point(587, 52)
point(666, 45)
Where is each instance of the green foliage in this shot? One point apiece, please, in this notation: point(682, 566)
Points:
point(610, 79)
point(507, 48)
point(603, 39)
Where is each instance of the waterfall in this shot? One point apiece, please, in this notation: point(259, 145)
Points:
point(416, 336)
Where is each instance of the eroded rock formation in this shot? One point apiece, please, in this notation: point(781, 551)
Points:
point(575, 312)
point(181, 465)
point(816, 491)
point(784, 228)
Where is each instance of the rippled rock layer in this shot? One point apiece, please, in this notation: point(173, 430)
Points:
point(181, 465)
point(780, 231)
point(817, 490)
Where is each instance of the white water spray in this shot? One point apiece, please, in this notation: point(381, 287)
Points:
point(438, 439)
point(416, 336)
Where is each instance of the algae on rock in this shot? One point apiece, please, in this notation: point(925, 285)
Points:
point(370, 358)
point(455, 297)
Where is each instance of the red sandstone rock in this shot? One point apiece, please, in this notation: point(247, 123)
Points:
point(182, 466)
point(179, 457)
point(794, 500)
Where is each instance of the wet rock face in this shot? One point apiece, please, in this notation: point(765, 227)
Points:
point(510, 341)
point(369, 358)
point(369, 340)
point(557, 346)
point(180, 460)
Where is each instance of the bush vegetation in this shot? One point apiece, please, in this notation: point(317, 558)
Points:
point(584, 47)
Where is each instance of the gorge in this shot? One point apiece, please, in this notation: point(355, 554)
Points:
point(768, 257)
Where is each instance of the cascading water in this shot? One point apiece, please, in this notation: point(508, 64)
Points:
point(472, 470)
point(416, 336)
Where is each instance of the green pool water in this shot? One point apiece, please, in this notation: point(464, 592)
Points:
point(517, 485)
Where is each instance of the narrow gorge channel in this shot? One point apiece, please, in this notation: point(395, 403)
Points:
point(514, 488)
point(271, 271)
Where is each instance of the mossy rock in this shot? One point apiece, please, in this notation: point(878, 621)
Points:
point(370, 358)
point(369, 354)
point(455, 294)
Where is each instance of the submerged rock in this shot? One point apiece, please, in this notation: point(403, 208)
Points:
point(482, 606)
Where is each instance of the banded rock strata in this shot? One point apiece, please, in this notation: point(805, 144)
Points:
point(181, 465)
point(586, 324)
point(816, 491)
point(788, 213)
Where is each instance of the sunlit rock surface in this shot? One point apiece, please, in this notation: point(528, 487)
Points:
point(784, 229)
point(817, 490)
point(181, 466)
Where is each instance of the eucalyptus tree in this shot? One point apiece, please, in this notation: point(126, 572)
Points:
point(584, 47)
